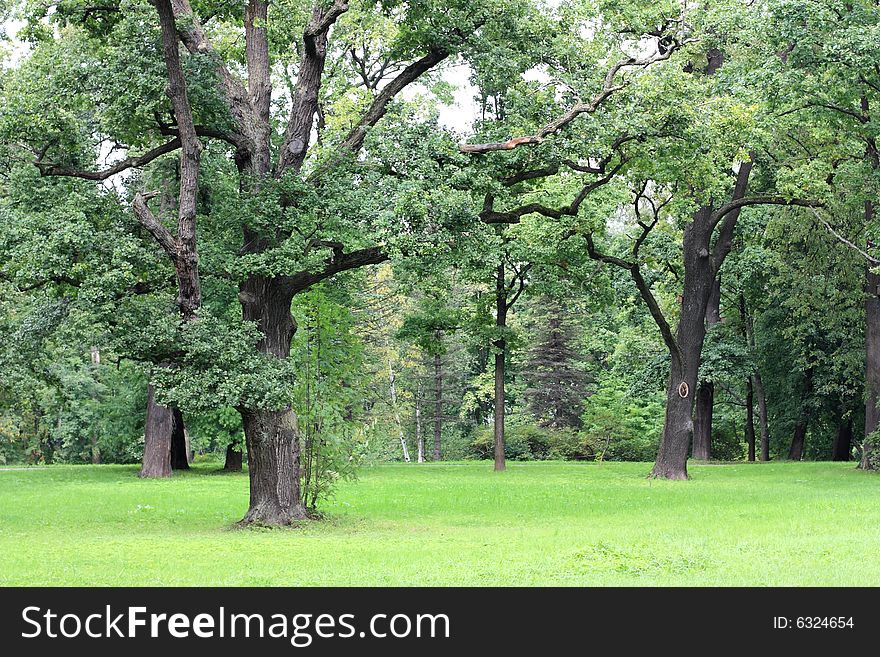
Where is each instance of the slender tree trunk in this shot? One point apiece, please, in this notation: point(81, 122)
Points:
point(179, 451)
point(798, 440)
point(705, 401)
point(756, 384)
point(438, 405)
point(500, 347)
point(400, 434)
point(189, 449)
point(233, 459)
point(180, 248)
point(95, 450)
point(420, 437)
point(842, 448)
point(872, 357)
point(750, 419)
point(157, 438)
point(762, 416)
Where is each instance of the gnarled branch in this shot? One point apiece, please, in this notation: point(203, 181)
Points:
point(49, 169)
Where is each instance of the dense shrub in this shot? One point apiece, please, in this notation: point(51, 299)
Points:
point(516, 446)
point(621, 427)
point(570, 445)
point(526, 441)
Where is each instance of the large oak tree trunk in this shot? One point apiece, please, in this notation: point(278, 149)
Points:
point(699, 279)
point(273, 464)
point(271, 435)
point(157, 438)
point(678, 426)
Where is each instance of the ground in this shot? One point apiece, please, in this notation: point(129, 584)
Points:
point(451, 524)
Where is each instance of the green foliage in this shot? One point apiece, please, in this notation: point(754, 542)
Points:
point(620, 427)
point(327, 357)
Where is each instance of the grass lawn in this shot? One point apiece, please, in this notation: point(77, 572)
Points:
point(451, 524)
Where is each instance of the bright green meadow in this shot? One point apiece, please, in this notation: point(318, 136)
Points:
point(547, 523)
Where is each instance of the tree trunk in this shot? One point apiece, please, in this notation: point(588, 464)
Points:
point(678, 426)
point(500, 347)
point(157, 438)
point(95, 451)
point(872, 359)
point(189, 449)
point(750, 419)
point(842, 448)
point(273, 465)
point(420, 437)
point(233, 459)
point(271, 436)
point(705, 401)
point(179, 451)
point(796, 451)
point(762, 416)
point(699, 282)
point(400, 434)
point(438, 405)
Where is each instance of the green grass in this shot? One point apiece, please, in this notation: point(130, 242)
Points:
point(451, 524)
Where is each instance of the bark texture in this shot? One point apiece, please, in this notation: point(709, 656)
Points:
point(273, 464)
point(157, 438)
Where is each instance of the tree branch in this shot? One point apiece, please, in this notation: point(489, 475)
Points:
point(148, 220)
point(608, 88)
point(308, 84)
point(355, 138)
point(339, 262)
point(867, 256)
point(49, 169)
point(736, 204)
point(644, 289)
point(491, 216)
point(195, 41)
